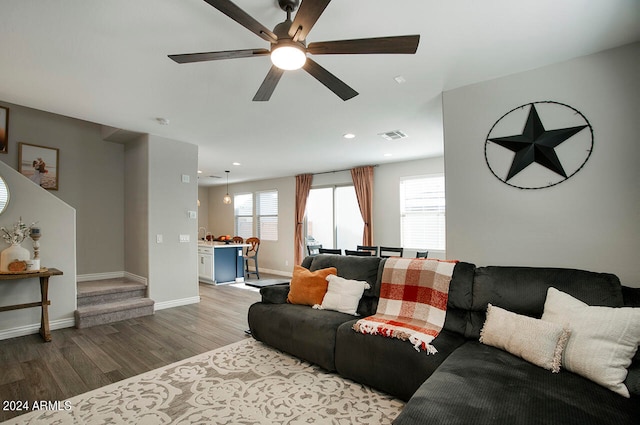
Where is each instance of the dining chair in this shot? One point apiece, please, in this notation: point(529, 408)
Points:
point(358, 253)
point(313, 249)
point(252, 254)
point(372, 249)
point(422, 254)
point(329, 251)
point(387, 251)
point(237, 239)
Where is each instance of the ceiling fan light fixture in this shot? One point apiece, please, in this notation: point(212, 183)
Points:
point(288, 57)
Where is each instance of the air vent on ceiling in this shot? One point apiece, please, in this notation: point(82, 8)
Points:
point(393, 135)
point(215, 177)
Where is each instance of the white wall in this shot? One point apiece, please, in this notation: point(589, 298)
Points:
point(57, 250)
point(277, 257)
point(91, 180)
point(592, 220)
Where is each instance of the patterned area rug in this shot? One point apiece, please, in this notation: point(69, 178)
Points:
point(242, 383)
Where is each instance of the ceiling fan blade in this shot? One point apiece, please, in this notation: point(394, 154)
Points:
point(401, 44)
point(332, 82)
point(213, 56)
point(307, 15)
point(243, 18)
point(269, 84)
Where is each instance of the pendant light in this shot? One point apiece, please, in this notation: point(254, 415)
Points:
point(227, 197)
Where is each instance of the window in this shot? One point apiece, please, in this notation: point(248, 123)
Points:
point(333, 218)
point(422, 212)
point(243, 212)
point(267, 214)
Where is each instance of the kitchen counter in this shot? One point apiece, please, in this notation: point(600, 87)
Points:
point(220, 263)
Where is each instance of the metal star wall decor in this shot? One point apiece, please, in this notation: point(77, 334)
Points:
point(539, 156)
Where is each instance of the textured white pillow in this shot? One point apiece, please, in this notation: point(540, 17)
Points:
point(603, 339)
point(343, 295)
point(533, 340)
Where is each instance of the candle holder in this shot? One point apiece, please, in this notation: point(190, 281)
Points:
point(35, 235)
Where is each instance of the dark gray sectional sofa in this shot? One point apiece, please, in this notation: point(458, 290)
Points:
point(466, 382)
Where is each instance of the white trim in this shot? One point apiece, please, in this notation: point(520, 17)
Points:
point(35, 328)
point(136, 278)
point(111, 275)
point(276, 272)
point(176, 303)
point(98, 276)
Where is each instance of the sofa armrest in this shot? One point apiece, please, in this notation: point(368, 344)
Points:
point(276, 294)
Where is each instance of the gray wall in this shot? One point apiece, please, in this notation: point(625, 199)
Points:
point(57, 249)
point(136, 195)
point(592, 220)
point(173, 266)
point(91, 180)
point(274, 256)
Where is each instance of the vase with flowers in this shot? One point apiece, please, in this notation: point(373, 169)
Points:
point(14, 258)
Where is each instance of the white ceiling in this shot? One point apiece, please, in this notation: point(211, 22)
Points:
point(106, 62)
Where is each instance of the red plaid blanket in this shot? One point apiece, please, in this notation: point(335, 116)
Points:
point(413, 301)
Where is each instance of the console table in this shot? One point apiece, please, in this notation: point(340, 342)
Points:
point(44, 275)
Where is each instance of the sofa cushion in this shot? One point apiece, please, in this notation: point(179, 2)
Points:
point(537, 341)
point(343, 294)
point(460, 299)
point(275, 294)
point(523, 290)
point(298, 330)
point(603, 340)
point(354, 268)
point(388, 364)
point(479, 384)
point(308, 287)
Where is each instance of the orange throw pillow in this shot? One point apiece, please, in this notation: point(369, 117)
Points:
point(307, 287)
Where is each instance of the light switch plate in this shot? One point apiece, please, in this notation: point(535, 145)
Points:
point(186, 178)
point(192, 214)
point(184, 238)
point(158, 238)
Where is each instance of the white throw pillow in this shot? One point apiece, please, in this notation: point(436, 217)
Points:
point(533, 340)
point(343, 295)
point(603, 339)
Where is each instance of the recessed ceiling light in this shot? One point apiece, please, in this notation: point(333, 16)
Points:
point(349, 136)
point(199, 171)
point(400, 79)
point(236, 163)
point(388, 154)
point(162, 121)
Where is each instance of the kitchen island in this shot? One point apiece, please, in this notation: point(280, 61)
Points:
point(220, 263)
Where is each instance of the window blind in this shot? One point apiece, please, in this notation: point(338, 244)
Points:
point(267, 213)
point(422, 212)
point(243, 212)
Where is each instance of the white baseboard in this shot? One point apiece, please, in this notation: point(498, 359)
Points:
point(35, 328)
point(111, 275)
point(176, 303)
point(276, 272)
point(136, 278)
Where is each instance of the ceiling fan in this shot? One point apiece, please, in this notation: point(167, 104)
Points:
point(288, 48)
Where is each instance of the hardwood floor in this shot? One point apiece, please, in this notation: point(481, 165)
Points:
point(80, 360)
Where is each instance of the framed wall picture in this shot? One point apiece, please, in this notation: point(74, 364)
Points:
point(40, 164)
point(4, 129)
